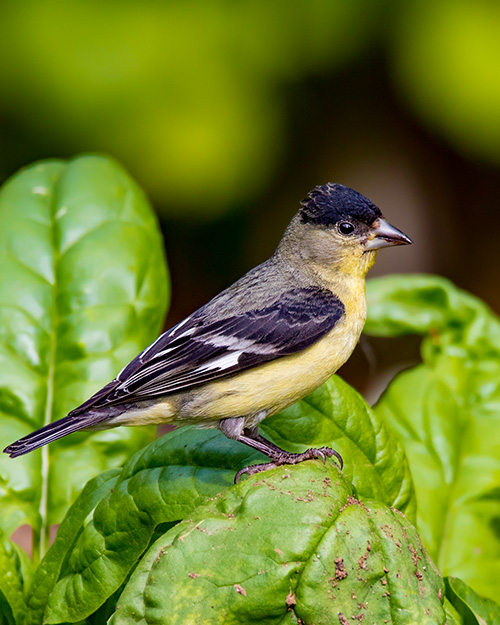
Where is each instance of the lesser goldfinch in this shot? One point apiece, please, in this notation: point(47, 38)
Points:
point(259, 346)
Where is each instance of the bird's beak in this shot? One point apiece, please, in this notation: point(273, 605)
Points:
point(385, 235)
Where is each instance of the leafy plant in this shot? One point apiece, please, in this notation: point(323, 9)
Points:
point(169, 538)
point(83, 289)
point(446, 412)
point(304, 543)
point(166, 481)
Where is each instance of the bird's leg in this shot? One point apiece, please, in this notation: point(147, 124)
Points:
point(278, 456)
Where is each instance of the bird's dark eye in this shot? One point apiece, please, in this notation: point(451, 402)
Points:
point(345, 227)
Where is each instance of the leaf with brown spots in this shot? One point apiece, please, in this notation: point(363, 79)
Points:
point(313, 579)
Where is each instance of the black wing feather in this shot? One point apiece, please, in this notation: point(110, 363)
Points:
point(202, 349)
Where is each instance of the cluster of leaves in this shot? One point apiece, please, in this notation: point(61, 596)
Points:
point(83, 288)
point(304, 544)
point(446, 412)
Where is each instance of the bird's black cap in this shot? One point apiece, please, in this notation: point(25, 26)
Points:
point(327, 204)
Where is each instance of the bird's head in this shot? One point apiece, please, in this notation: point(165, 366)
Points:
point(340, 228)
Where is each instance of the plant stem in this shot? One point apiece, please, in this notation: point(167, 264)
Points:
point(42, 538)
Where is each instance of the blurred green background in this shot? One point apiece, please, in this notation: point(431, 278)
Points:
point(229, 112)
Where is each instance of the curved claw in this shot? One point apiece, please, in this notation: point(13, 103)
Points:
point(339, 458)
point(254, 468)
point(321, 456)
point(328, 451)
point(240, 473)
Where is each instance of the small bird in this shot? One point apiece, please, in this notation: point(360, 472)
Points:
point(259, 346)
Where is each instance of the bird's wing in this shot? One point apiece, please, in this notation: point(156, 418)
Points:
point(201, 349)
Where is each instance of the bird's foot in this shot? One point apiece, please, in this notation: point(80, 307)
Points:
point(284, 457)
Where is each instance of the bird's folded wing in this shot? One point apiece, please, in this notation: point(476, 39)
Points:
point(203, 348)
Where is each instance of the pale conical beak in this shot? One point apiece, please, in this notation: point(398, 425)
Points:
point(385, 235)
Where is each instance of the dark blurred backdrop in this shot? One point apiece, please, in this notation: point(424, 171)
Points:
point(228, 113)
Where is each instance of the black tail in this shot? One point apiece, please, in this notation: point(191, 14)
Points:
point(52, 432)
point(85, 416)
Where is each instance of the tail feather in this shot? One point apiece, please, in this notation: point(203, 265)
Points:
point(52, 432)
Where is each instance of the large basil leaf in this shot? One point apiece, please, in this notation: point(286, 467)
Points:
point(447, 413)
point(83, 290)
point(292, 541)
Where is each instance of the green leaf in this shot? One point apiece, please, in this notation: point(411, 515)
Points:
point(52, 565)
point(291, 540)
point(424, 304)
point(336, 415)
point(162, 483)
point(446, 412)
point(15, 574)
point(83, 290)
point(473, 609)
